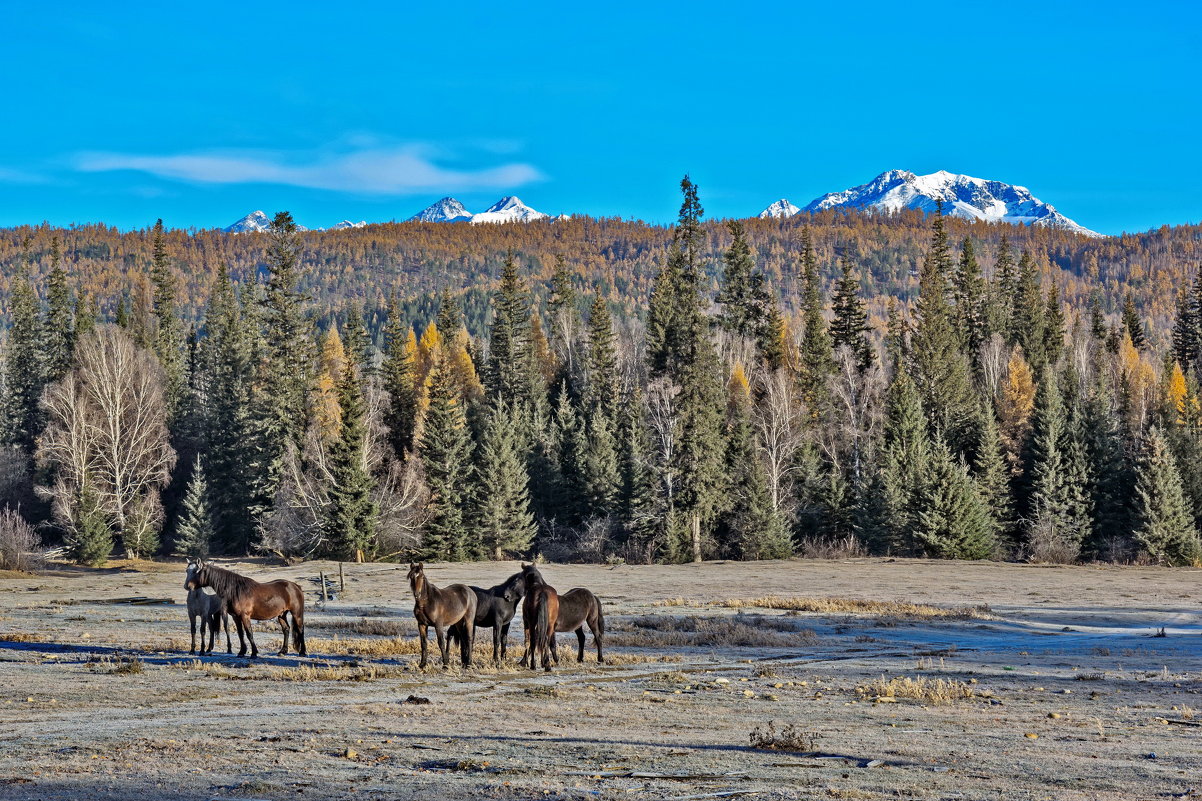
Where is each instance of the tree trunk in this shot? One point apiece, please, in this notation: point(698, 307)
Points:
point(695, 524)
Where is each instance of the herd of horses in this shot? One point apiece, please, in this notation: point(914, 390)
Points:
point(454, 612)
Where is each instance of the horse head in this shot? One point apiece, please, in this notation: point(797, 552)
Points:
point(194, 580)
point(514, 587)
point(417, 578)
point(531, 576)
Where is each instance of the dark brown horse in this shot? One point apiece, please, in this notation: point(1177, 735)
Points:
point(451, 608)
point(540, 612)
point(495, 608)
point(246, 600)
point(577, 607)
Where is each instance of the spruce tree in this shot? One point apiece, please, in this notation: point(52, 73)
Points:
point(1165, 527)
point(446, 451)
point(1133, 325)
point(1060, 509)
point(1111, 476)
point(1053, 327)
point(770, 345)
point(1187, 329)
point(850, 328)
point(60, 322)
point(600, 470)
point(817, 361)
point(970, 293)
point(757, 530)
point(601, 384)
point(399, 377)
point(195, 534)
point(1002, 291)
point(741, 295)
point(350, 516)
point(1097, 318)
point(993, 476)
point(168, 337)
point(1027, 319)
point(508, 376)
point(905, 465)
point(564, 318)
point(24, 369)
point(357, 343)
point(89, 539)
point(502, 516)
point(450, 316)
point(952, 521)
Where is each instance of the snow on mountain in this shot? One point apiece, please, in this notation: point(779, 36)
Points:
point(962, 196)
point(446, 210)
point(256, 221)
point(346, 224)
point(780, 209)
point(507, 209)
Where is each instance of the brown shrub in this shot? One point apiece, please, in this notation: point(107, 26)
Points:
point(20, 546)
point(790, 738)
point(927, 690)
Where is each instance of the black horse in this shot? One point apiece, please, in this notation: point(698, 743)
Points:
point(495, 608)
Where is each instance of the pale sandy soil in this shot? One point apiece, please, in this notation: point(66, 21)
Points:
point(1076, 643)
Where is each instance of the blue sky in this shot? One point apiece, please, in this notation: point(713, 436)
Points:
point(368, 111)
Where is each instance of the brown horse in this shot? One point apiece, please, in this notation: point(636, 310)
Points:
point(577, 607)
point(211, 612)
point(246, 600)
point(540, 613)
point(451, 608)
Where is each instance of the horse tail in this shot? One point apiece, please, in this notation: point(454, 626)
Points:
point(599, 628)
point(298, 621)
point(540, 635)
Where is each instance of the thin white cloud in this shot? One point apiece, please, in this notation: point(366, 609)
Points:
point(10, 175)
point(410, 169)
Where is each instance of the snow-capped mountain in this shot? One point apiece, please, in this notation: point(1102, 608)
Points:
point(508, 209)
point(346, 224)
point(255, 221)
point(446, 210)
point(779, 209)
point(962, 196)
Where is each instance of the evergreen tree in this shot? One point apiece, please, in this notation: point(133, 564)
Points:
point(952, 520)
point(1002, 291)
point(1027, 319)
point(600, 471)
point(195, 534)
point(1053, 327)
point(399, 379)
point(1109, 471)
point(1165, 523)
point(1060, 513)
point(850, 325)
point(89, 539)
point(771, 344)
point(905, 465)
point(168, 337)
point(502, 513)
point(446, 450)
point(24, 370)
point(60, 323)
point(741, 296)
point(450, 316)
point(970, 292)
point(1132, 324)
point(817, 361)
point(993, 476)
point(1187, 329)
point(757, 530)
point(564, 318)
point(510, 366)
point(1097, 319)
point(601, 387)
point(357, 343)
point(350, 516)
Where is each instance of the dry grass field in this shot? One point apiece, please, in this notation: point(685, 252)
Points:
point(853, 679)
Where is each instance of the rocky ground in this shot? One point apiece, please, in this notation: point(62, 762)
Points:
point(854, 679)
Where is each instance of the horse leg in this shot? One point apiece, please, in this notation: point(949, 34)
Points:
point(250, 635)
point(225, 616)
point(496, 644)
point(444, 645)
point(283, 621)
point(192, 623)
point(241, 636)
point(504, 634)
point(554, 650)
point(298, 634)
point(469, 641)
point(421, 631)
point(580, 641)
point(206, 625)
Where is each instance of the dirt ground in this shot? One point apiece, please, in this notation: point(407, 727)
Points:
point(1031, 683)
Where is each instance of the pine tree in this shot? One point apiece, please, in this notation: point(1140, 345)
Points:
point(1132, 324)
point(992, 475)
point(60, 322)
point(817, 361)
point(850, 328)
point(510, 367)
point(1002, 291)
point(600, 471)
point(741, 296)
point(757, 530)
point(905, 465)
point(564, 318)
point(357, 343)
point(942, 373)
point(601, 385)
point(952, 520)
point(1060, 513)
point(450, 316)
point(24, 369)
point(89, 539)
point(969, 291)
point(399, 379)
point(1187, 329)
point(771, 345)
point(1027, 319)
point(1053, 327)
point(168, 337)
point(1109, 470)
point(350, 516)
point(1165, 523)
point(446, 450)
point(1097, 319)
point(195, 535)
point(502, 513)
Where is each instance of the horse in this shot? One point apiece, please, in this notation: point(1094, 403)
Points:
point(540, 612)
point(495, 609)
point(246, 600)
point(577, 607)
point(211, 611)
point(453, 607)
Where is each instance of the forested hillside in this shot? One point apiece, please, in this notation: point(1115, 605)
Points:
point(603, 390)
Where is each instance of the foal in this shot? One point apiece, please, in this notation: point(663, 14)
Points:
point(247, 600)
point(453, 607)
point(211, 612)
point(540, 613)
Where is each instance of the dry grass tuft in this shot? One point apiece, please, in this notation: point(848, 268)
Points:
point(23, 636)
point(299, 673)
point(118, 666)
point(790, 738)
point(903, 609)
point(372, 626)
point(927, 690)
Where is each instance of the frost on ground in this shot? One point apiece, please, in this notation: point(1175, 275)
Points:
point(854, 679)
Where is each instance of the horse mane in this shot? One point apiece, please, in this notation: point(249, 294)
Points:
point(227, 583)
point(507, 583)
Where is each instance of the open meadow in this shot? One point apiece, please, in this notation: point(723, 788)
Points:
point(851, 679)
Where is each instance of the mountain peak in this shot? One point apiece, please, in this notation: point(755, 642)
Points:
point(780, 210)
point(446, 210)
point(508, 209)
point(962, 196)
point(255, 222)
